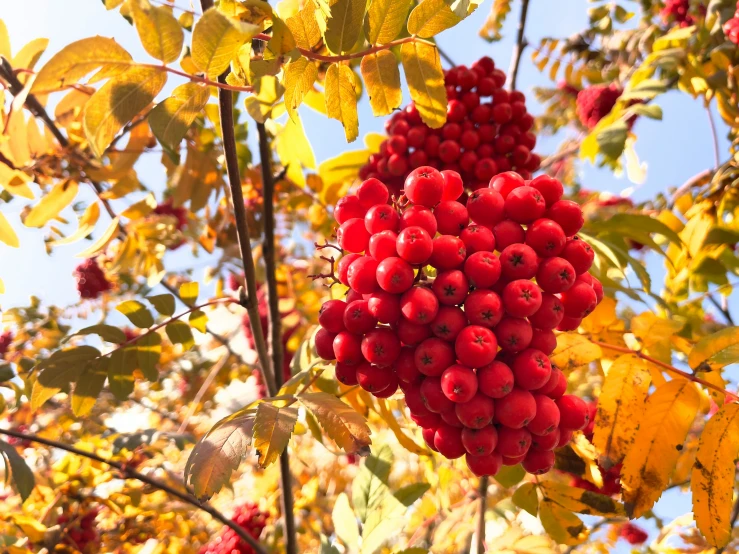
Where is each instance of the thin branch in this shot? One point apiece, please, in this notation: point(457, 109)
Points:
point(521, 44)
point(561, 155)
point(130, 473)
point(687, 185)
point(445, 56)
point(667, 367)
point(714, 137)
point(483, 493)
point(221, 85)
point(723, 309)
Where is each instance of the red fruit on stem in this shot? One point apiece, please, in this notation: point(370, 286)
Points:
point(515, 410)
point(451, 287)
point(477, 412)
point(424, 186)
point(394, 275)
point(547, 416)
point(475, 346)
point(513, 443)
point(574, 412)
point(433, 356)
point(480, 442)
point(514, 334)
point(484, 465)
point(495, 379)
point(459, 383)
point(419, 305)
point(483, 269)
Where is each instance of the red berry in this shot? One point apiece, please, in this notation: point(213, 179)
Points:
point(565, 436)
point(358, 318)
point(495, 379)
point(419, 158)
point(419, 216)
point(380, 346)
point(555, 275)
point(331, 315)
point(374, 378)
point(427, 421)
point(538, 462)
point(531, 369)
point(569, 323)
point(633, 534)
point(449, 151)
point(475, 346)
point(390, 389)
point(405, 366)
point(549, 314)
point(544, 340)
point(428, 437)
point(433, 396)
point(507, 233)
point(484, 465)
point(485, 168)
point(483, 269)
point(448, 441)
point(448, 252)
point(419, 305)
point(524, 204)
point(480, 442)
point(348, 348)
point(477, 412)
point(414, 400)
point(415, 137)
point(384, 307)
point(519, 261)
point(397, 165)
point(579, 254)
point(449, 321)
point(451, 287)
point(353, 235)
point(424, 186)
point(598, 288)
point(397, 144)
point(579, 300)
point(546, 238)
point(348, 207)
point(346, 374)
point(574, 412)
point(521, 298)
point(451, 217)
point(456, 111)
point(546, 419)
point(450, 418)
point(502, 113)
point(515, 410)
point(325, 344)
point(342, 268)
point(513, 443)
point(483, 307)
point(352, 296)
point(459, 383)
point(433, 356)
point(514, 334)
point(394, 275)
point(362, 275)
point(549, 187)
point(415, 245)
point(431, 146)
point(382, 217)
point(382, 245)
point(453, 185)
point(372, 192)
point(545, 442)
point(477, 238)
point(568, 215)
point(412, 333)
point(552, 384)
point(506, 182)
point(485, 207)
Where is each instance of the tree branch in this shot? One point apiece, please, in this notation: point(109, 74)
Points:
point(521, 44)
point(130, 473)
point(483, 493)
point(723, 309)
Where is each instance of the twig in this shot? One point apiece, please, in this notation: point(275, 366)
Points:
point(483, 493)
point(521, 44)
point(723, 309)
point(562, 154)
point(687, 185)
point(714, 137)
point(445, 56)
point(667, 367)
point(130, 473)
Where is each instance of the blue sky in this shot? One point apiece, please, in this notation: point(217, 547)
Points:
point(675, 149)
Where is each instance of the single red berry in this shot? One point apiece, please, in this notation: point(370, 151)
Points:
point(353, 235)
point(424, 186)
point(382, 245)
point(485, 168)
point(495, 379)
point(419, 216)
point(531, 369)
point(448, 252)
point(565, 436)
point(348, 348)
point(451, 287)
point(477, 238)
point(574, 412)
point(380, 346)
point(433, 356)
point(416, 136)
point(411, 333)
point(433, 396)
point(514, 334)
point(483, 269)
point(519, 261)
point(450, 418)
point(549, 314)
point(331, 315)
point(372, 192)
point(477, 412)
point(453, 185)
point(342, 267)
point(448, 441)
point(598, 288)
point(405, 366)
point(414, 400)
point(431, 146)
point(506, 182)
point(579, 300)
point(484, 465)
point(459, 383)
point(549, 187)
point(634, 534)
point(502, 113)
point(358, 318)
point(415, 245)
point(524, 204)
point(451, 217)
point(419, 305)
point(394, 275)
point(324, 340)
point(346, 374)
point(521, 298)
point(569, 323)
point(428, 437)
point(555, 275)
point(456, 111)
point(513, 442)
point(579, 254)
point(546, 238)
point(449, 151)
point(381, 217)
point(428, 421)
point(480, 442)
point(362, 275)
point(545, 442)
point(485, 207)
point(448, 323)
point(483, 307)
point(538, 462)
point(547, 416)
point(544, 340)
point(475, 346)
point(568, 215)
point(390, 389)
point(352, 296)
point(516, 409)
point(374, 378)
point(552, 384)
point(384, 307)
point(348, 207)
point(507, 233)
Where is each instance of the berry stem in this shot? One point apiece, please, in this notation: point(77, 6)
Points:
point(521, 44)
point(483, 493)
point(130, 473)
point(666, 367)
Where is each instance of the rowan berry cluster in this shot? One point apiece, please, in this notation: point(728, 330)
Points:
point(167, 208)
point(91, 281)
point(438, 339)
point(633, 534)
point(677, 11)
point(6, 339)
point(488, 131)
point(731, 27)
point(596, 102)
point(80, 531)
point(251, 519)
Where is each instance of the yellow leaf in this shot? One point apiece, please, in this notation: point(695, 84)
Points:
point(346, 427)
point(272, 429)
point(7, 234)
point(31, 528)
point(86, 225)
point(345, 522)
point(345, 25)
point(169, 120)
point(561, 525)
point(405, 441)
point(29, 55)
point(189, 293)
point(140, 209)
point(137, 313)
point(78, 59)
point(294, 150)
point(299, 78)
point(216, 39)
point(718, 349)
point(282, 41)
point(652, 330)
point(102, 242)
point(385, 20)
point(304, 27)
point(341, 99)
point(2, 287)
point(51, 204)
point(648, 466)
point(712, 481)
point(425, 78)
point(267, 91)
point(117, 102)
point(620, 408)
point(573, 351)
point(581, 500)
point(382, 78)
point(159, 31)
point(15, 182)
point(4, 42)
point(88, 387)
point(431, 17)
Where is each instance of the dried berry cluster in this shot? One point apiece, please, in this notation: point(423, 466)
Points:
point(91, 281)
point(469, 348)
point(251, 519)
point(488, 131)
point(80, 531)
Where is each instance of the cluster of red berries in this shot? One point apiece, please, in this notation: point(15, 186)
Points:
point(80, 532)
point(91, 281)
point(633, 534)
point(595, 102)
point(677, 11)
point(438, 339)
point(166, 208)
point(731, 27)
point(6, 339)
point(251, 519)
point(488, 131)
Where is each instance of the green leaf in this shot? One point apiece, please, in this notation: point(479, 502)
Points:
point(51, 204)
point(345, 522)
point(561, 525)
point(136, 313)
point(189, 293)
point(625, 222)
point(169, 120)
point(216, 39)
point(159, 32)
point(123, 362)
point(346, 427)
point(179, 333)
point(527, 498)
point(117, 102)
point(612, 139)
point(385, 20)
point(273, 427)
point(370, 485)
point(106, 332)
point(652, 111)
point(345, 25)
point(341, 99)
point(22, 475)
point(510, 475)
point(149, 349)
point(717, 350)
point(6, 372)
point(163, 303)
point(299, 78)
point(219, 453)
point(59, 370)
point(425, 78)
point(88, 386)
point(382, 78)
point(644, 90)
point(199, 320)
point(431, 17)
